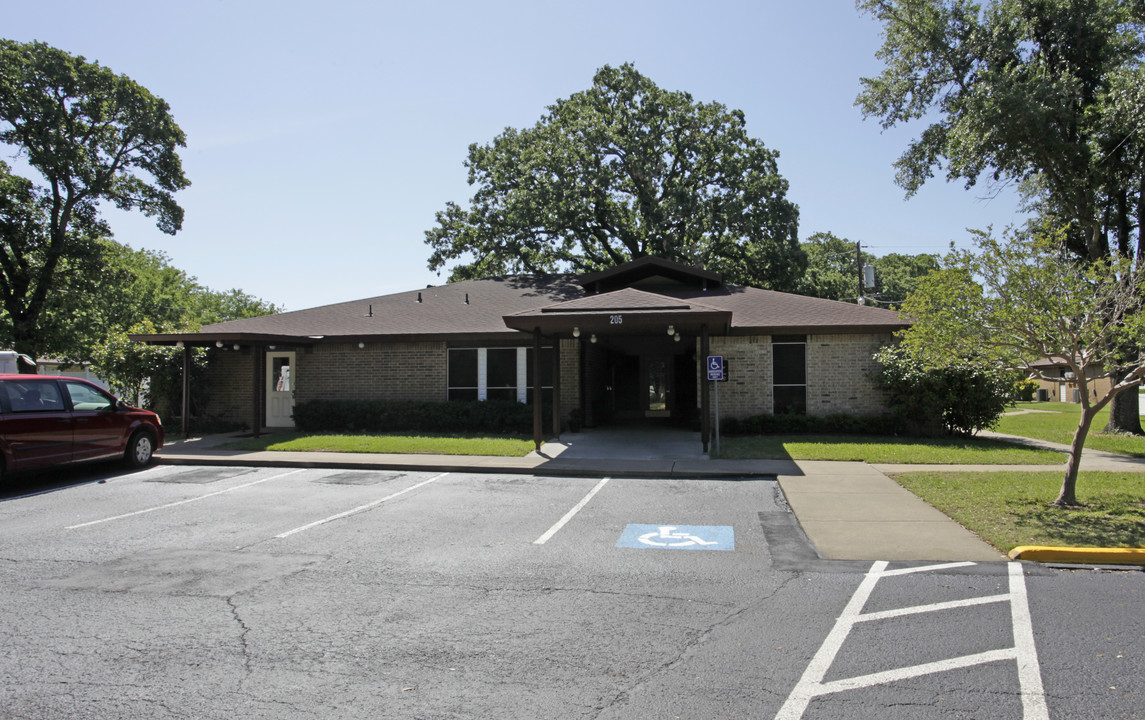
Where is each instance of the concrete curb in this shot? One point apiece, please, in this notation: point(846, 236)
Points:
point(567, 468)
point(1079, 555)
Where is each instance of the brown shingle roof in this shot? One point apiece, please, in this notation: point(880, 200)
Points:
point(479, 307)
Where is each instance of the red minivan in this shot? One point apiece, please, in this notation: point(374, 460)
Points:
point(46, 421)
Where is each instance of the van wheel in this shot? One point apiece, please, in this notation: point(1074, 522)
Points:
point(140, 449)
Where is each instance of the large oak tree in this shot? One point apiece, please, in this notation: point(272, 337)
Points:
point(89, 136)
point(1043, 93)
point(618, 171)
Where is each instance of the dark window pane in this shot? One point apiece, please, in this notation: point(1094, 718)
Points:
point(546, 398)
point(463, 369)
point(463, 394)
point(35, 396)
point(501, 394)
point(789, 366)
point(790, 401)
point(546, 366)
point(788, 338)
point(502, 371)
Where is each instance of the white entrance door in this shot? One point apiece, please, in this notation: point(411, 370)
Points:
point(280, 377)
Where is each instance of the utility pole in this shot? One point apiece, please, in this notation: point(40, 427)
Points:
point(859, 268)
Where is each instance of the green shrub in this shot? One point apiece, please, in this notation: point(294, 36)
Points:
point(1024, 390)
point(499, 417)
point(959, 399)
point(786, 424)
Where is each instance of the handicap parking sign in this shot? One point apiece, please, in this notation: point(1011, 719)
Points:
point(678, 537)
point(715, 367)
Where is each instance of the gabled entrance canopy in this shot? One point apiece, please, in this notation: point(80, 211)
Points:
point(645, 296)
point(628, 311)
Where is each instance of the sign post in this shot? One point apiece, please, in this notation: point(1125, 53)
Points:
point(716, 374)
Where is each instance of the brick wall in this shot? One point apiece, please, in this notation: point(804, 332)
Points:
point(747, 391)
point(379, 371)
point(228, 392)
point(841, 372)
point(570, 376)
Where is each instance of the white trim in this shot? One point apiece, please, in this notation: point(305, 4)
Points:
point(522, 375)
point(482, 373)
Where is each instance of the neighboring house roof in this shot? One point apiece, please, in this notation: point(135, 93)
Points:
point(648, 289)
point(1056, 361)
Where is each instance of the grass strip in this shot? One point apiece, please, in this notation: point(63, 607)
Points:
point(392, 444)
point(1057, 421)
point(934, 451)
point(1008, 509)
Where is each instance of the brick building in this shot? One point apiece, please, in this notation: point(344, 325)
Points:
point(622, 345)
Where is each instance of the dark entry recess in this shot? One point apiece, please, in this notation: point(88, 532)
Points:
point(641, 380)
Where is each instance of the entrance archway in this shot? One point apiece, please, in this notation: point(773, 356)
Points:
point(640, 380)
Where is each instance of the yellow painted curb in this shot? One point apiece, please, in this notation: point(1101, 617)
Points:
point(1090, 555)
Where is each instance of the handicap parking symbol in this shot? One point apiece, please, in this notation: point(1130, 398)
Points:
point(678, 537)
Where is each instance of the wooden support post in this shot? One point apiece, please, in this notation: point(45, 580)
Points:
point(186, 391)
point(557, 387)
point(537, 415)
point(705, 403)
point(257, 383)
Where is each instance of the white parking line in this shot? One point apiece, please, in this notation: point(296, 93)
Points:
point(180, 502)
point(360, 508)
point(811, 685)
point(570, 514)
point(1029, 671)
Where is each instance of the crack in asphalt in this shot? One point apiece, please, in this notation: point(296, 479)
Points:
point(550, 589)
point(693, 639)
point(247, 664)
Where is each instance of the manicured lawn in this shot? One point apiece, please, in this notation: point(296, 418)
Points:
point(420, 444)
point(1008, 509)
point(886, 450)
point(1057, 423)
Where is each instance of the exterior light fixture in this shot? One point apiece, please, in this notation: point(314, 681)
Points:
point(218, 343)
point(361, 345)
point(236, 346)
point(671, 330)
point(179, 344)
point(576, 332)
point(271, 347)
point(677, 337)
point(593, 338)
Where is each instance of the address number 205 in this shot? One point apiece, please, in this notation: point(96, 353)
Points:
point(615, 319)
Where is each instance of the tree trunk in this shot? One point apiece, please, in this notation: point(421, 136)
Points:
point(1124, 410)
point(1068, 495)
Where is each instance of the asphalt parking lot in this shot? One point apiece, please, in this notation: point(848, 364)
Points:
point(195, 592)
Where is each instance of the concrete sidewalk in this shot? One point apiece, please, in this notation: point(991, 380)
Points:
point(848, 510)
point(852, 511)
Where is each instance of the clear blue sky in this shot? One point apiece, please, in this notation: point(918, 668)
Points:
point(323, 137)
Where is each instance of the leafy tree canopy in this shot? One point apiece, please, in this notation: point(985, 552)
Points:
point(618, 171)
point(1011, 303)
point(91, 136)
point(897, 276)
point(144, 293)
point(1046, 93)
point(833, 271)
point(832, 267)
